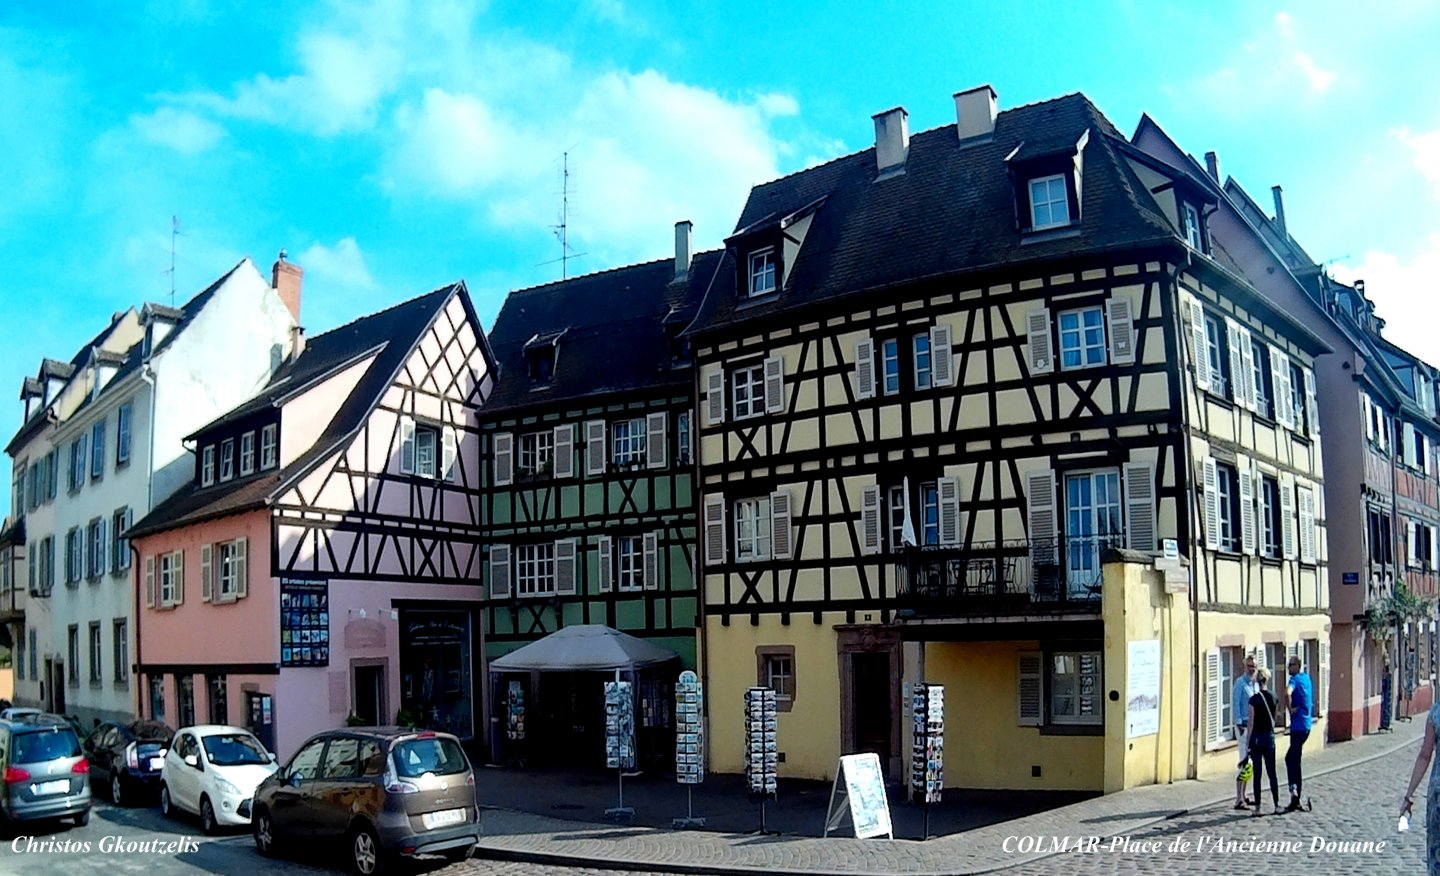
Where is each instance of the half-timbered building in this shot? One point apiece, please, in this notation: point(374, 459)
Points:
point(589, 497)
point(324, 560)
point(956, 392)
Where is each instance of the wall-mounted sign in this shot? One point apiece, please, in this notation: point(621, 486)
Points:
point(304, 622)
point(1350, 578)
point(1170, 548)
point(1142, 689)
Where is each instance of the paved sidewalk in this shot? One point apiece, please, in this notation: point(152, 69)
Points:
point(512, 835)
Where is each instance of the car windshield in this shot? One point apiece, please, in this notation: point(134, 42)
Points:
point(436, 755)
point(43, 745)
point(234, 749)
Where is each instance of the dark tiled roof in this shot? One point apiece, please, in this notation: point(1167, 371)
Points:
point(164, 311)
point(56, 368)
point(951, 211)
point(31, 386)
point(614, 332)
point(394, 332)
point(13, 532)
point(36, 386)
point(110, 357)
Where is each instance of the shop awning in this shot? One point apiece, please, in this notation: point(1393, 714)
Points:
point(583, 648)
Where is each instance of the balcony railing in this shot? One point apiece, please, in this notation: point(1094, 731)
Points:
point(1002, 576)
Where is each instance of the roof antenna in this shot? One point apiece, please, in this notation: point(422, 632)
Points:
point(562, 231)
point(174, 232)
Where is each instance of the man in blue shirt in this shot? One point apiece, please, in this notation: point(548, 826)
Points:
point(1300, 696)
point(1244, 689)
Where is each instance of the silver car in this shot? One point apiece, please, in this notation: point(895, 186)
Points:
point(45, 773)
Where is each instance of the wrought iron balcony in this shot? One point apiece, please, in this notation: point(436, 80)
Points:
point(1006, 576)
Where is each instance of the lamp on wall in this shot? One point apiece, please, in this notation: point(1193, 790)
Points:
point(357, 611)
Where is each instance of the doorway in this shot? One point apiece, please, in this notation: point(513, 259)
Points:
point(55, 688)
point(1093, 522)
point(870, 668)
point(870, 677)
point(369, 701)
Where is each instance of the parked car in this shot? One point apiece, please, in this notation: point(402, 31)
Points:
point(16, 713)
point(45, 773)
point(126, 759)
point(387, 792)
point(212, 770)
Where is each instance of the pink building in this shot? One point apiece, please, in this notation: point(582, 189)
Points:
point(323, 561)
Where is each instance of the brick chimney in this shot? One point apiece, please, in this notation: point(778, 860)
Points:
point(1212, 165)
point(1279, 195)
point(975, 113)
point(892, 140)
point(682, 248)
point(286, 279)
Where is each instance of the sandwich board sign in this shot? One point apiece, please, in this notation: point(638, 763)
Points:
point(860, 784)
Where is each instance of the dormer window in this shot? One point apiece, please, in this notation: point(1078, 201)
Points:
point(1194, 231)
point(1049, 203)
point(540, 354)
point(762, 272)
point(227, 459)
point(207, 466)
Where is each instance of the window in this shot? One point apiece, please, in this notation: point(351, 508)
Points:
point(97, 674)
point(540, 362)
point(535, 569)
point(122, 521)
point(247, 453)
point(631, 559)
point(185, 700)
point(207, 466)
point(896, 500)
point(17, 490)
point(120, 648)
point(98, 550)
point(922, 361)
point(1232, 666)
point(762, 272)
point(629, 441)
point(218, 695)
point(1214, 351)
point(52, 470)
point(930, 514)
point(426, 438)
point(230, 556)
point(342, 759)
point(97, 451)
point(157, 697)
point(1194, 234)
point(77, 464)
point(34, 657)
point(1276, 657)
point(268, 458)
point(171, 569)
point(1082, 338)
point(775, 669)
point(72, 654)
point(752, 530)
point(74, 555)
point(306, 764)
point(122, 433)
point(1269, 517)
point(1075, 696)
point(1049, 203)
point(749, 386)
point(682, 438)
point(1378, 533)
point(1299, 408)
point(47, 564)
point(890, 365)
point(227, 459)
point(1264, 388)
point(1227, 487)
point(537, 452)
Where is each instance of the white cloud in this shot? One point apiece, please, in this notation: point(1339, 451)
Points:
point(1269, 68)
point(1406, 293)
point(181, 130)
point(341, 265)
point(1320, 80)
point(1425, 149)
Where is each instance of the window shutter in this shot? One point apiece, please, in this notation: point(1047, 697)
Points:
point(449, 444)
point(595, 447)
point(870, 519)
point(606, 563)
point(565, 451)
point(1247, 505)
point(1214, 733)
point(1211, 485)
point(242, 568)
point(1238, 380)
point(715, 529)
point(1280, 383)
point(179, 578)
point(407, 445)
point(149, 582)
point(714, 397)
point(865, 369)
point(1247, 348)
point(1306, 500)
point(1258, 654)
point(1434, 555)
point(504, 458)
point(1312, 408)
point(774, 385)
point(1040, 496)
point(207, 573)
point(1407, 449)
point(1322, 689)
point(1037, 336)
point(780, 535)
point(1029, 692)
point(1139, 506)
point(652, 561)
point(499, 571)
point(1287, 516)
point(1293, 650)
point(942, 368)
point(1199, 351)
point(565, 567)
point(656, 440)
point(948, 490)
point(102, 562)
point(1122, 330)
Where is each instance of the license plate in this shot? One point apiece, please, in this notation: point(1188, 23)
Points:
point(57, 787)
point(432, 820)
point(157, 762)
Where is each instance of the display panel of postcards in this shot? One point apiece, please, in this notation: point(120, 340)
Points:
point(761, 754)
point(927, 750)
point(515, 711)
point(304, 622)
point(619, 726)
point(689, 731)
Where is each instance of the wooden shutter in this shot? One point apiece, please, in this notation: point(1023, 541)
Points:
point(1030, 689)
point(948, 493)
point(605, 562)
point(865, 369)
point(499, 571)
point(1199, 350)
point(149, 581)
point(1247, 504)
point(942, 366)
point(1280, 380)
point(715, 397)
point(242, 568)
point(565, 567)
point(102, 562)
point(1122, 330)
point(595, 447)
point(1305, 501)
point(207, 574)
point(656, 440)
point(1247, 351)
point(449, 451)
point(1037, 337)
point(1214, 733)
point(564, 452)
point(1322, 680)
point(1211, 486)
point(504, 458)
point(715, 529)
point(1287, 516)
point(781, 537)
point(870, 519)
point(179, 578)
point(1238, 380)
point(1294, 650)
point(407, 445)
point(1040, 497)
point(1312, 406)
point(652, 561)
point(1407, 445)
point(774, 385)
point(1139, 506)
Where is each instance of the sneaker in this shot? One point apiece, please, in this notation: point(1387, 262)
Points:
point(1278, 810)
point(1294, 805)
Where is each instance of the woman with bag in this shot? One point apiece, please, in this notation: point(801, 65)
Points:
point(1262, 738)
point(1432, 795)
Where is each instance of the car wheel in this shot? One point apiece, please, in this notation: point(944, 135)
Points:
point(116, 796)
point(366, 858)
point(264, 831)
point(82, 819)
point(207, 817)
point(167, 808)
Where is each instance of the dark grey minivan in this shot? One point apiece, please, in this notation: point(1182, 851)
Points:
point(387, 792)
point(45, 773)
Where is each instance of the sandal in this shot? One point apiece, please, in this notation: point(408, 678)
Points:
point(1241, 806)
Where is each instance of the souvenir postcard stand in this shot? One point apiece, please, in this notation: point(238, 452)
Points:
point(515, 720)
point(761, 755)
point(689, 744)
point(927, 750)
point(619, 740)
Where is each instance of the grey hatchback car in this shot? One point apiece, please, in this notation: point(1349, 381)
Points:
point(387, 792)
point(45, 773)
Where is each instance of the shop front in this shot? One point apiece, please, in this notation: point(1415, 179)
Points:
point(436, 679)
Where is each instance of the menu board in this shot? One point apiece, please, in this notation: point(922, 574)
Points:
point(689, 730)
point(927, 748)
point(619, 726)
point(515, 711)
point(304, 622)
point(761, 755)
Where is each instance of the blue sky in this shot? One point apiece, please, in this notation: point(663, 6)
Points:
point(393, 146)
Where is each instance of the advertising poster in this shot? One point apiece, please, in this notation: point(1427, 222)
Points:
point(1142, 685)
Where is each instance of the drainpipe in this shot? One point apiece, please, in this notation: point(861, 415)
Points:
point(147, 374)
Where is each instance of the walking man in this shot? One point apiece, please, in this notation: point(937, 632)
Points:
point(1245, 688)
point(1300, 699)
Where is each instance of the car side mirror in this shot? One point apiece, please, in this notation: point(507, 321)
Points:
point(293, 780)
point(192, 760)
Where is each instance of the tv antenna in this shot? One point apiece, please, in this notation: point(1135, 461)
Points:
point(562, 230)
point(174, 233)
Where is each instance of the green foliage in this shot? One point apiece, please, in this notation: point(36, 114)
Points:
point(354, 720)
point(405, 718)
point(1399, 607)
